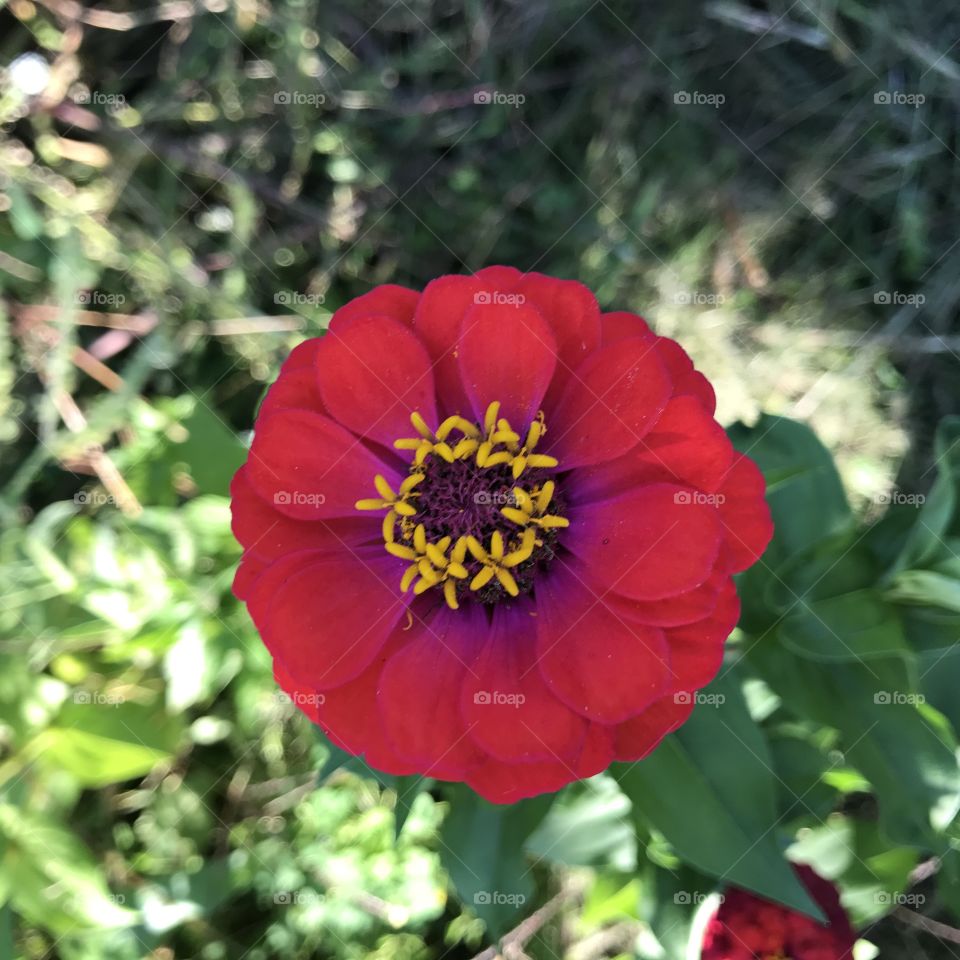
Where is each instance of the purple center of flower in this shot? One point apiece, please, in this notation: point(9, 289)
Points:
point(479, 514)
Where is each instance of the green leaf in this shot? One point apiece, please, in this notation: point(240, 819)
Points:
point(939, 670)
point(54, 880)
point(927, 588)
point(102, 741)
point(804, 489)
point(938, 517)
point(482, 849)
point(904, 748)
point(589, 824)
point(673, 902)
point(210, 451)
point(709, 789)
point(407, 789)
point(853, 626)
point(806, 499)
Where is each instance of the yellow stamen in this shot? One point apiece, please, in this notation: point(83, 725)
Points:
point(446, 562)
point(450, 594)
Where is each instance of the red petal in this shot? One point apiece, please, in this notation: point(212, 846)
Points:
point(260, 528)
point(636, 737)
point(374, 373)
point(437, 321)
point(302, 356)
point(271, 578)
point(686, 446)
point(696, 649)
point(506, 353)
point(571, 309)
point(307, 701)
point(689, 607)
point(609, 404)
point(311, 468)
point(620, 325)
point(652, 542)
point(248, 572)
point(387, 300)
point(509, 710)
point(745, 513)
point(686, 380)
point(508, 782)
point(595, 661)
point(328, 616)
point(350, 712)
point(348, 716)
point(419, 693)
point(500, 279)
point(294, 389)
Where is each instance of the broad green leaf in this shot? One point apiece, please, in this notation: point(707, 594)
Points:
point(927, 588)
point(806, 499)
point(100, 740)
point(939, 670)
point(670, 904)
point(210, 451)
point(709, 789)
point(483, 851)
point(53, 878)
point(800, 768)
point(589, 824)
point(903, 747)
point(853, 626)
point(804, 489)
point(407, 790)
point(939, 516)
point(877, 873)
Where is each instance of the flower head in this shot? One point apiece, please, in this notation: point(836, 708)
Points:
point(746, 927)
point(489, 532)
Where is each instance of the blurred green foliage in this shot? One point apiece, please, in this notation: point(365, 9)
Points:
point(188, 189)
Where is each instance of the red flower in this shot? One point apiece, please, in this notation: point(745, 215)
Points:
point(489, 531)
point(747, 927)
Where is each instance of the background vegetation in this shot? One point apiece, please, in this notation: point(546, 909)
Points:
point(188, 189)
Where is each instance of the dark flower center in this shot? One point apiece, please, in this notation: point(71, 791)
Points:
point(478, 515)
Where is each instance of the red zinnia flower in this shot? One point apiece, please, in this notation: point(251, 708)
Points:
point(489, 531)
point(747, 927)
